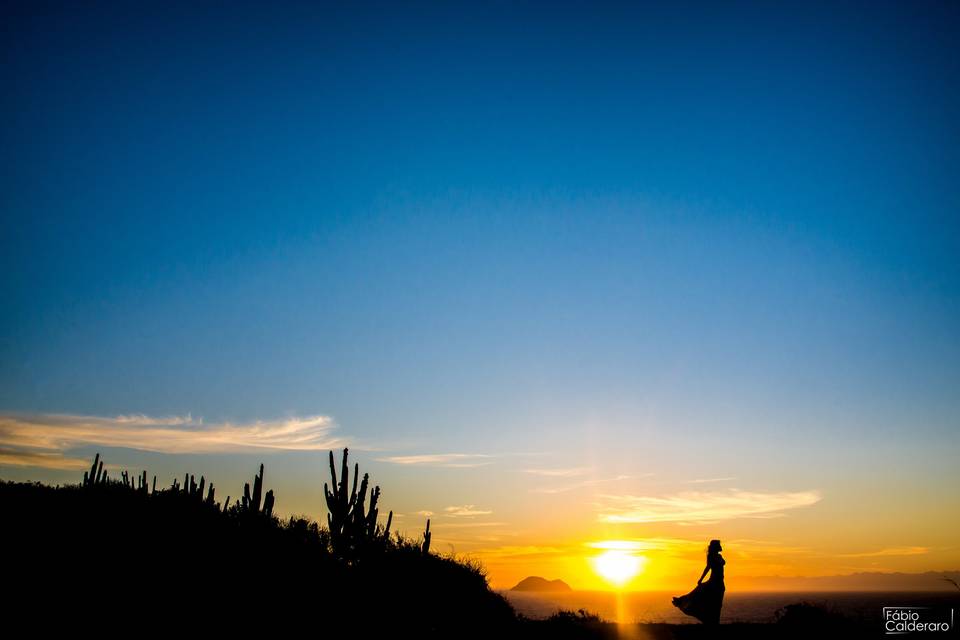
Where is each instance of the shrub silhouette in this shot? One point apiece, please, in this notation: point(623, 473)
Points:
point(801, 616)
point(571, 625)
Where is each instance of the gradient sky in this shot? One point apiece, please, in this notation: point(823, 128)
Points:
point(620, 272)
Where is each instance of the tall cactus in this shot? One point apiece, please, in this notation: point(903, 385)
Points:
point(351, 522)
point(425, 547)
point(268, 504)
point(251, 501)
point(386, 530)
point(337, 503)
point(96, 474)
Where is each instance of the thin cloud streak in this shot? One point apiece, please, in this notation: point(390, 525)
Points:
point(891, 551)
point(46, 460)
point(570, 472)
point(41, 440)
point(509, 553)
point(450, 460)
point(646, 544)
point(465, 511)
point(702, 506)
point(580, 485)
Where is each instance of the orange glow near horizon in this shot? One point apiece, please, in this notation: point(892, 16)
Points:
point(674, 564)
point(614, 526)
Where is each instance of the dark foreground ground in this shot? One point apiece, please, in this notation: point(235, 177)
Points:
point(804, 622)
point(116, 557)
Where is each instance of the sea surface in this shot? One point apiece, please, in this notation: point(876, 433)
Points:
point(653, 606)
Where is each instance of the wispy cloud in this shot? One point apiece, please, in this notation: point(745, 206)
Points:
point(580, 485)
point(646, 544)
point(455, 460)
point(569, 472)
point(710, 480)
point(702, 506)
point(523, 552)
point(425, 513)
point(753, 548)
point(465, 511)
point(42, 440)
point(47, 460)
point(890, 551)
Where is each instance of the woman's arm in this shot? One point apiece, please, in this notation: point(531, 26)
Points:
point(704, 574)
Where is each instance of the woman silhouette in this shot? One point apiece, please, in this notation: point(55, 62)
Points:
point(705, 600)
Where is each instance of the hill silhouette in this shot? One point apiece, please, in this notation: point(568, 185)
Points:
point(536, 583)
point(119, 555)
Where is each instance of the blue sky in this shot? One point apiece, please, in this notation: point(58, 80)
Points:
point(716, 229)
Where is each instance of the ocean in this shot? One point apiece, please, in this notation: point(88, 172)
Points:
point(652, 606)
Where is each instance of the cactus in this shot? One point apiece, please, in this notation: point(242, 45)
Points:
point(386, 530)
point(268, 504)
point(425, 547)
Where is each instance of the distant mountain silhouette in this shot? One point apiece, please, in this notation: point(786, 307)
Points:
point(863, 581)
point(536, 583)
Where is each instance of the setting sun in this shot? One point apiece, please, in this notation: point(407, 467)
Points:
point(618, 564)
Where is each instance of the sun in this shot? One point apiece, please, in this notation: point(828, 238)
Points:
point(617, 566)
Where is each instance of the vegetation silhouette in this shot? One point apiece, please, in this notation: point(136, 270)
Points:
point(119, 555)
point(177, 558)
point(811, 617)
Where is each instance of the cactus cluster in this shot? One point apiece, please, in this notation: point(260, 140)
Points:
point(351, 524)
point(96, 475)
point(251, 502)
point(191, 489)
point(140, 484)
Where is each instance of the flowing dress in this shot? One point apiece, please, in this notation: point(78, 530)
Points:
point(705, 600)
